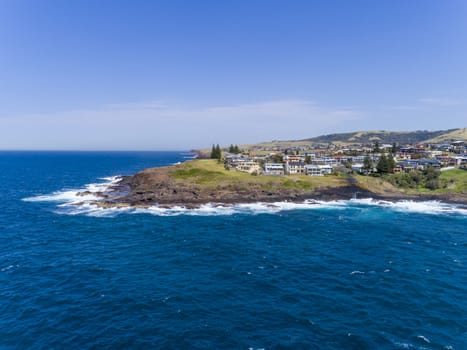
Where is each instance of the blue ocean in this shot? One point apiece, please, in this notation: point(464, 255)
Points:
point(358, 274)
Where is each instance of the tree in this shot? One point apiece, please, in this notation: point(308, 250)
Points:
point(231, 149)
point(307, 160)
point(382, 166)
point(432, 178)
point(394, 148)
point(376, 148)
point(216, 152)
point(213, 152)
point(367, 164)
point(391, 163)
point(236, 150)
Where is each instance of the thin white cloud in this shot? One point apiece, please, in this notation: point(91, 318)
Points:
point(157, 125)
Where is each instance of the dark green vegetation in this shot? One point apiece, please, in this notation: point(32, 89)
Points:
point(428, 179)
point(216, 152)
point(386, 164)
point(234, 149)
point(454, 181)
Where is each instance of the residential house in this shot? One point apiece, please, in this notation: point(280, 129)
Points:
point(275, 169)
point(249, 166)
point(293, 168)
point(318, 170)
point(424, 163)
point(358, 167)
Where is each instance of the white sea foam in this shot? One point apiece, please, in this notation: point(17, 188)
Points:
point(8, 268)
point(425, 339)
point(73, 197)
point(357, 273)
point(70, 202)
point(424, 207)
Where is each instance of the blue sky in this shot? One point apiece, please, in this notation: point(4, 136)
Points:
point(84, 74)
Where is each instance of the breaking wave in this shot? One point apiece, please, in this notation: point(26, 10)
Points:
point(81, 202)
point(84, 195)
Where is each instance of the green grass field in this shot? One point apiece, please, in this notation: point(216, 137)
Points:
point(209, 172)
point(456, 180)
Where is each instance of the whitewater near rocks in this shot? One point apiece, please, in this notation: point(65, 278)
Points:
point(85, 201)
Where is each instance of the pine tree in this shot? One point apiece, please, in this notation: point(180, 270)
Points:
point(231, 149)
point(367, 163)
point(382, 165)
point(376, 148)
point(391, 163)
point(213, 152)
point(218, 152)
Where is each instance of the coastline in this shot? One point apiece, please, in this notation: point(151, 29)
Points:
point(185, 185)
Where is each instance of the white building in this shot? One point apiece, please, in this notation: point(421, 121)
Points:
point(293, 168)
point(273, 169)
point(318, 170)
point(249, 167)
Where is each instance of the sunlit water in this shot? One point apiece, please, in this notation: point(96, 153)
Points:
point(358, 274)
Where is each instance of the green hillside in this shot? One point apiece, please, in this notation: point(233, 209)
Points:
point(369, 137)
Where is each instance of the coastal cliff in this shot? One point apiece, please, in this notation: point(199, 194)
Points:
point(199, 182)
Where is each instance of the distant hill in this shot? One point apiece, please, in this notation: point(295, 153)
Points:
point(456, 134)
point(411, 137)
point(369, 137)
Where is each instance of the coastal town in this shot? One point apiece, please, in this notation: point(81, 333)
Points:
point(293, 171)
point(329, 158)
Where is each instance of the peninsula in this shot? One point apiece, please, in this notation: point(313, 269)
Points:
point(434, 170)
point(197, 182)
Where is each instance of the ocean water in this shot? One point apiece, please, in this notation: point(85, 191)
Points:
point(355, 274)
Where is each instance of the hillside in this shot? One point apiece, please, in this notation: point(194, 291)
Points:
point(383, 137)
point(456, 134)
point(369, 137)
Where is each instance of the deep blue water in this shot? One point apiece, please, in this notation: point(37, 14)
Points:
point(340, 276)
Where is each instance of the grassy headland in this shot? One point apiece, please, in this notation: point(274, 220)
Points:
point(202, 181)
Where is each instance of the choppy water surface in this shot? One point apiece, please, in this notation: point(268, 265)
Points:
point(342, 275)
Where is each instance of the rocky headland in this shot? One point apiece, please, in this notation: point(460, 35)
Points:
point(194, 183)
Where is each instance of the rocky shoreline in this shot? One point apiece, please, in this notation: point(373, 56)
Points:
point(156, 187)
